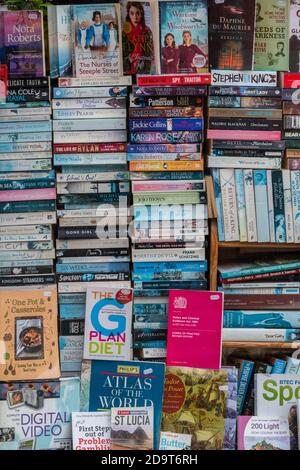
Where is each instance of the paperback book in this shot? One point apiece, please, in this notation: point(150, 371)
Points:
point(132, 428)
point(91, 431)
point(258, 433)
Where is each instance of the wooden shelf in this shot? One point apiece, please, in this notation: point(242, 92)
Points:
point(260, 345)
point(284, 246)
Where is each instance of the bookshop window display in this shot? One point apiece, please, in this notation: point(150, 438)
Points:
point(149, 225)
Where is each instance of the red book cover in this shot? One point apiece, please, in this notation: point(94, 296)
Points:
point(290, 80)
point(195, 329)
point(174, 80)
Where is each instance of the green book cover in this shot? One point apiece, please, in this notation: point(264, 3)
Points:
point(272, 35)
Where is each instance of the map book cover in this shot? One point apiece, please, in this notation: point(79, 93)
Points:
point(107, 330)
point(29, 350)
point(231, 34)
point(132, 428)
point(37, 415)
point(115, 384)
point(195, 402)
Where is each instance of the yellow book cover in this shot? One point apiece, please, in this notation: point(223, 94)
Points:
point(28, 334)
point(195, 403)
point(153, 165)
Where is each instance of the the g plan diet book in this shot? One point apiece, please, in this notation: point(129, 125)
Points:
point(107, 333)
point(194, 329)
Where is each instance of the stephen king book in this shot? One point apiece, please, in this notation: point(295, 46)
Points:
point(183, 36)
point(231, 34)
point(22, 45)
point(295, 36)
point(271, 50)
point(97, 48)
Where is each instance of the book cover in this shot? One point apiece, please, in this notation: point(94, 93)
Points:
point(175, 441)
point(23, 43)
point(277, 395)
point(231, 34)
point(195, 403)
point(258, 433)
point(132, 428)
point(139, 37)
point(29, 332)
point(113, 384)
point(37, 415)
point(91, 431)
point(194, 334)
point(183, 36)
point(97, 47)
point(271, 50)
point(229, 203)
point(241, 202)
point(294, 40)
point(231, 409)
point(261, 205)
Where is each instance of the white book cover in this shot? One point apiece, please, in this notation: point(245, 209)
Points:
point(132, 428)
point(261, 205)
point(107, 329)
point(250, 206)
point(272, 335)
point(91, 431)
point(231, 226)
point(295, 185)
point(270, 207)
point(259, 433)
point(276, 395)
point(240, 162)
point(175, 441)
point(288, 210)
point(241, 203)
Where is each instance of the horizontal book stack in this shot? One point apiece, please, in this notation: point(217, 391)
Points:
point(93, 195)
point(291, 115)
point(27, 185)
point(261, 299)
point(169, 203)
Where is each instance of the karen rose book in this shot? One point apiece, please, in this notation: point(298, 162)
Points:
point(194, 329)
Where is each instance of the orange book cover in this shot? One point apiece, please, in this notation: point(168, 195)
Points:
point(28, 333)
point(153, 165)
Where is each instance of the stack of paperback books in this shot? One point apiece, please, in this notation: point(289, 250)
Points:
point(93, 194)
point(27, 185)
point(169, 200)
point(291, 111)
point(261, 299)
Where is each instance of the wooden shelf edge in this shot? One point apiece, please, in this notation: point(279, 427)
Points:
point(258, 245)
point(261, 345)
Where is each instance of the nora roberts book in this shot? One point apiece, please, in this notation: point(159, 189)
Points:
point(132, 428)
point(22, 43)
point(231, 34)
point(28, 328)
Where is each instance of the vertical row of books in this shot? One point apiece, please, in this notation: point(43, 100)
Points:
point(169, 202)
point(28, 194)
point(291, 116)
point(89, 124)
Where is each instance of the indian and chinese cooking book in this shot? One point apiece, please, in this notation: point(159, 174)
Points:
point(28, 328)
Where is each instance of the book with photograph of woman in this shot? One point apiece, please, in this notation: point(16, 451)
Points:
point(96, 38)
point(183, 36)
point(140, 46)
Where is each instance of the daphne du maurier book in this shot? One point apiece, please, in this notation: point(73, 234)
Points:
point(132, 428)
point(28, 328)
point(107, 331)
point(96, 38)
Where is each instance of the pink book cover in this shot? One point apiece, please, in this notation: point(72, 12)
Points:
point(167, 186)
point(28, 195)
point(243, 135)
point(195, 329)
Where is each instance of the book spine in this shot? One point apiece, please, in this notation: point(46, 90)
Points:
point(270, 207)
point(88, 137)
point(244, 78)
point(248, 144)
point(29, 218)
point(23, 94)
point(241, 204)
point(250, 206)
point(90, 159)
point(163, 148)
point(248, 408)
point(52, 39)
point(243, 134)
point(95, 82)
point(89, 103)
point(260, 319)
point(79, 114)
point(89, 277)
point(243, 383)
point(28, 195)
point(249, 124)
point(178, 112)
point(73, 125)
point(26, 137)
point(244, 91)
point(186, 157)
point(261, 205)
point(288, 211)
point(152, 165)
point(176, 137)
point(292, 366)
point(88, 148)
point(15, 281)
point(196, 91)
point(169, 124)
point(87, 92)
point(229, 203)
point(218, 198)
point(278, 366)
point(238, 162)
point(295, 186)
point(260, 334)
point(278, 201)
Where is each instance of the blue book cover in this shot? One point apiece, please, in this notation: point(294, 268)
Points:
point(26, 147)
point(278, 201)
point(162, 148)
point(115, 384)
point(261, 319)
point(27, 184)
point(71, 311)
point(92, 268)
point(245, 376)
point(184, 266)
point(261, 205)
point(16, 137)
point(278, 366)
point(218, 197)
point(171, 124)
point(26, 126)
point(170, 276)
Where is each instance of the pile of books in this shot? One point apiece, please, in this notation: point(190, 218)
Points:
point(261, 299)
point(27, 185)
point(93, 194)
point(291, 116)
point(169, 202)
